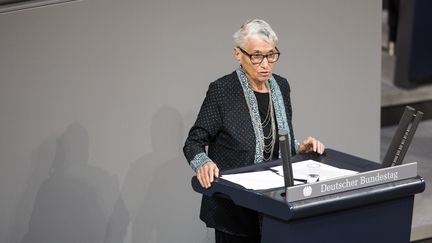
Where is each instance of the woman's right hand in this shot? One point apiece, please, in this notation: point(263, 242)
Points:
point(206, 174)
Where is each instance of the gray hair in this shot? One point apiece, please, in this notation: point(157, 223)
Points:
point(254, 28)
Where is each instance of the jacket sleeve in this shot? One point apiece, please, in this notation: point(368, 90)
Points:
point(205, 129)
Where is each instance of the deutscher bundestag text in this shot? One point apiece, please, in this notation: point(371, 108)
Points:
point(347, 183)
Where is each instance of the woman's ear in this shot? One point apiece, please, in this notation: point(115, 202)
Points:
point(237, 55)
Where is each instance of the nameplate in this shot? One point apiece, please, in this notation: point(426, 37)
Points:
point(352, 182)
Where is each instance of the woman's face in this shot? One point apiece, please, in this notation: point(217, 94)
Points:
point(260, 72)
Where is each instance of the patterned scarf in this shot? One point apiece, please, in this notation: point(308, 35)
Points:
point(252, 103)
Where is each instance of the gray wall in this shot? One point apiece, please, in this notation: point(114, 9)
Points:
point(97, 96)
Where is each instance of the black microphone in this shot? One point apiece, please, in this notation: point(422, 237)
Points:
point(285, 148)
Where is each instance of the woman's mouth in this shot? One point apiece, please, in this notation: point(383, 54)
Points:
point(264, 73)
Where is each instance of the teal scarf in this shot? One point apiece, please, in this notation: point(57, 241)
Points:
point(279, 109)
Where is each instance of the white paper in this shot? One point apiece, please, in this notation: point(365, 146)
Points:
point(260, 180)
point(326, 172)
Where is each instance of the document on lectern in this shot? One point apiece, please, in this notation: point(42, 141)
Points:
point(273, 178)
point(326, 172)
point(257, 180)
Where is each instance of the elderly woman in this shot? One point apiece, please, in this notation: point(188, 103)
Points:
point(239, 122)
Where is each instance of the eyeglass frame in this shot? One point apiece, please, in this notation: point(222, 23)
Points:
point(263, 56)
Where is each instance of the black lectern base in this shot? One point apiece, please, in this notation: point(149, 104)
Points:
point(388, 221)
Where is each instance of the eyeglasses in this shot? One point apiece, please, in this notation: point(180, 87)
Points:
point(258, 58)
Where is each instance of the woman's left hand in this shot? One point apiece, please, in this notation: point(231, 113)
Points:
point(311, 144)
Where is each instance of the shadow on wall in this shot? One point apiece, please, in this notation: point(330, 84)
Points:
point(78, 202)
point(42, 160)
point(161, 182)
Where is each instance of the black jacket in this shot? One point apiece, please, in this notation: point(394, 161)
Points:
point(225, 126)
